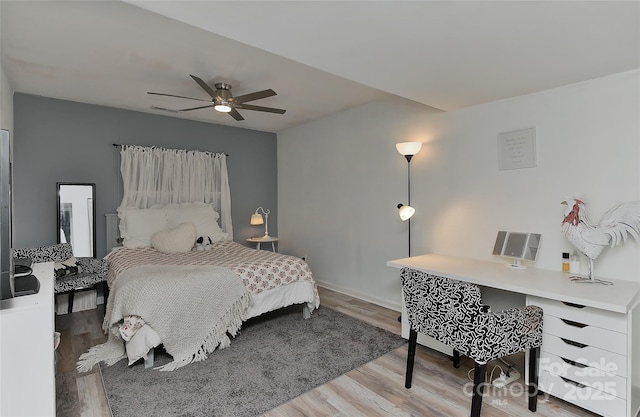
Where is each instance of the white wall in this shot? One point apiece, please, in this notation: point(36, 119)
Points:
point(6, 102)
point(340, 178)
point(6, 99)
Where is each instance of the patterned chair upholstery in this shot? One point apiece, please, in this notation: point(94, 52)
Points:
point(451, 312)
point(91, 271)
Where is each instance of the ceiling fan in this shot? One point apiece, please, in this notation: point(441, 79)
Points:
point(223, 101)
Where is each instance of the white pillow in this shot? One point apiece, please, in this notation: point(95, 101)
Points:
point(180, 239)
point(202, 215)
point(138, 225)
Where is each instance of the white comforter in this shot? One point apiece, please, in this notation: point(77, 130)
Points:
point(274, 280)
point(192, 308)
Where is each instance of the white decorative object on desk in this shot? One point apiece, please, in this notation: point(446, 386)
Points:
point(612, 228)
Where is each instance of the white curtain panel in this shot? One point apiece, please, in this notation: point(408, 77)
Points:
point(153, 176)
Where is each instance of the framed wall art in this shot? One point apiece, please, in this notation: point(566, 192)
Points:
point(517, 149)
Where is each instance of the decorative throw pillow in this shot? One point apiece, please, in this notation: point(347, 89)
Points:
point(179, 239)
point(68, 267)
point(202, 215)
point(138, 225)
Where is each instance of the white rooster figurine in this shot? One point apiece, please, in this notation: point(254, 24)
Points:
point(612, 228)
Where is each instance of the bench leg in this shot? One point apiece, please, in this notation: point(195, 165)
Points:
point(70, 304)
point(105, 292)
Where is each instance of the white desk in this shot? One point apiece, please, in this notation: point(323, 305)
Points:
point(27, 368)
point(599, 307)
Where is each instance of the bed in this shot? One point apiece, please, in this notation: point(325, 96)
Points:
point(159, 247)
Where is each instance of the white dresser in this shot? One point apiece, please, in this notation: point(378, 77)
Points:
point(27, 368)
point(587, 356)
point(590, 353)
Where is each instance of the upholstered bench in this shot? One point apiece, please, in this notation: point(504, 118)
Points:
point(90, 272)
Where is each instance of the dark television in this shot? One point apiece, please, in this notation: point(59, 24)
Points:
point(6, 258)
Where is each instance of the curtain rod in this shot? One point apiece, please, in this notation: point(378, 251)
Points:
point(118, 144)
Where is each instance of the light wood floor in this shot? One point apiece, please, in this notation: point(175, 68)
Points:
point(374, 389)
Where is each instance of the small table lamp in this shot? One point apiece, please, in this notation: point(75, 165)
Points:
point(256, 219)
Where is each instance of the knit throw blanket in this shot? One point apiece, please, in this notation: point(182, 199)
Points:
point(190, 307)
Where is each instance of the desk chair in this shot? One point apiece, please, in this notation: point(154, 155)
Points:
point(91, 271)
point(451, 312)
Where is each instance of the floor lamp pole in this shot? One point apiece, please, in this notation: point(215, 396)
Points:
point(409, 199)
point(409, 204)
point(407, 149)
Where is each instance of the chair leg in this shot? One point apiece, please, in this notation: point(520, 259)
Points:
point(456, 358)
point(478, 388)
point(411, 354)
point(70, 304)
point(534, 358)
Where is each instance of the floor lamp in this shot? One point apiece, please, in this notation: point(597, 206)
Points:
point(407, 149)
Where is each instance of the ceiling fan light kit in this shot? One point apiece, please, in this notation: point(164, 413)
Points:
point(223, 101)
point(223, 107)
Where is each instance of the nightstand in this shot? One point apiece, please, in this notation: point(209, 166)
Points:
point(263, 239)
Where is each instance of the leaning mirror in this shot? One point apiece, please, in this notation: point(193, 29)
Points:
point(76, 217)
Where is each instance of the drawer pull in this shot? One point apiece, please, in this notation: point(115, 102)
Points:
point(577, 384)
point(574, 323)
point(572, 343)
point(573, 305)
point(574, 363)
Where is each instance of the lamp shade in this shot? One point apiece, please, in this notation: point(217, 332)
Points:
point(405, 212)
point(409, 148)
point(257, 219)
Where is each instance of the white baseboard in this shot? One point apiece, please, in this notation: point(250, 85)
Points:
point(365, 297)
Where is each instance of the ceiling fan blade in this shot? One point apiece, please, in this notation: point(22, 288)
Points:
point(260, 108)
point(164, 109)
point(172, 95)
point(234, 113)
point(254, 96)
point(197, 108)
point(205, 87)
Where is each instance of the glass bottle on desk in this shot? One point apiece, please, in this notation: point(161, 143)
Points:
point(565, 262)
point(574, 263)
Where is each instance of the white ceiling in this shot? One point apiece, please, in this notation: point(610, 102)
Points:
point(319, 56)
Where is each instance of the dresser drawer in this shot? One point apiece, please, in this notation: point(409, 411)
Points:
point(583, 396)
point(586, 334)
point(584, 354)
point(616, 322)
point(592, 377)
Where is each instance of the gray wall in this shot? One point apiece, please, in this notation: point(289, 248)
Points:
point(64, 141)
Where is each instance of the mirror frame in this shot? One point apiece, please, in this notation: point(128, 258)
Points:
point(58, 207)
